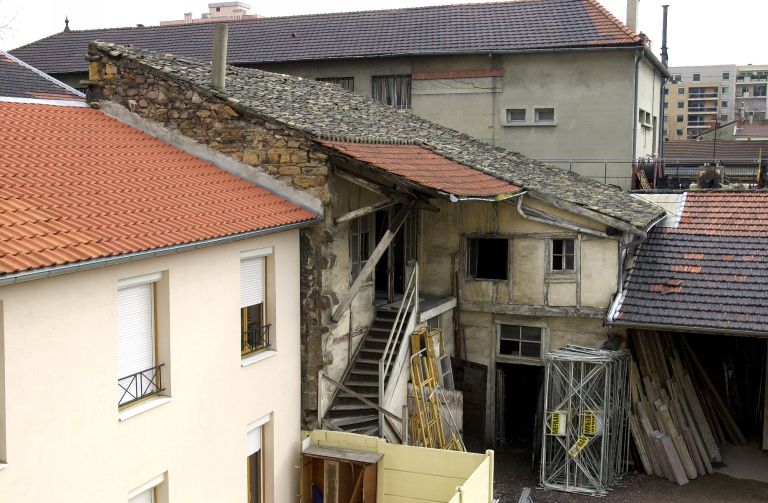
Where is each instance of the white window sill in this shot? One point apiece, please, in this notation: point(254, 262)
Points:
point(261, 355)
point(3, 465)
point(529, 124)
point(142, 407)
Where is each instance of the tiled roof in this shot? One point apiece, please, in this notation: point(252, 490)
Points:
point(483, 28)
point(710, 272)
point(329, 113)
point(77, 185)
point(19, 80)
point(724, 150)
point(426, 168)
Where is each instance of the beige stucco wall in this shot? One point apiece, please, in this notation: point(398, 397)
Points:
point(65, 442)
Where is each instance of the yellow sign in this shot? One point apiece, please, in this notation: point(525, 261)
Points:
point(579, 446)
point(589, 424)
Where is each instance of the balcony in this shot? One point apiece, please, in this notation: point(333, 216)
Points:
point(140, 385)
point(255, 338)
point(699, 124)
point(702, 96)
point(702, 110)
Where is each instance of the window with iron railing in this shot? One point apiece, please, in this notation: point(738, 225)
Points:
point(254, 328)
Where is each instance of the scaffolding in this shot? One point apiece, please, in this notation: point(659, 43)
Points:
point(585, 435)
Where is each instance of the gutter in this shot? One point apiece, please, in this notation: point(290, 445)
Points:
point(546, 219)
point(686, 328)
point(47, 272)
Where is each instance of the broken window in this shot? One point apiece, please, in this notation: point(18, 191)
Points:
point(519, 340)
point(393, 90)
point(488, 258)
point(347, 83)
point(359, 245)
point(563, 256)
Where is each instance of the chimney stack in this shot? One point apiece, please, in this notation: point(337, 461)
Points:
point(187, 17)
point(632, 14)
point(219, 65)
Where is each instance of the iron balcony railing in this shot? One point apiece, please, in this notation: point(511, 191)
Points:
point(256, 338)
point(139, 385)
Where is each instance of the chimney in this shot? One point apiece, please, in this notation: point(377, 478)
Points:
point(632, 14)
point(187, 17)
point(219, 64)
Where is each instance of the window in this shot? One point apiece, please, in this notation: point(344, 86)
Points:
point(254, 452)
point(724, 117)
point(359, 245)
point(680, 118)
point(434, 323)
point(696, 77)
point(139, 374)
point(254, 329)
point(677, 78)
point(666, 90)
point(680, 90)
point(680, 104)
point(726, 76)
point(724, 90)
point(146, 493)
point(563, 256)
point(666, 104)
point(679, 132)
point(393, 90)
point(545, 115)
point(724, 104)
point(515, 114)
point(347, 83)
point(487, 258)
point(520, 341)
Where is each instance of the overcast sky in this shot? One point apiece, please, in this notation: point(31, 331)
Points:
point(700, 31)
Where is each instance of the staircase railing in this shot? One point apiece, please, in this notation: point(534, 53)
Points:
point(395, 353)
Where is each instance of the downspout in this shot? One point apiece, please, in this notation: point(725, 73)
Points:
point(638, 58)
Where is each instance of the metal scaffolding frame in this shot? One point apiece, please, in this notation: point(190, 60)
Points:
point(585, 432)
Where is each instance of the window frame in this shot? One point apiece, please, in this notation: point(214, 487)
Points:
point(508, 114)
point(261, 425)
point(266, 255)
point(537, 120)
point(357, 262)
point(469, 275)
point(543, 341)
point(696, 77)
point(564, 256)
point(346, 83)
point(403, 82)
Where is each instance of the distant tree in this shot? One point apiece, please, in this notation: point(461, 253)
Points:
point(6, 22)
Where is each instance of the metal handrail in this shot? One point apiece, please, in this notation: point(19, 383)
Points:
point(322, 375)
point(136, 383)
point(256, 338)
point(409, 303)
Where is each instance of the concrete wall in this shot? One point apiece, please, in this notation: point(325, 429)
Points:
point(64, 439)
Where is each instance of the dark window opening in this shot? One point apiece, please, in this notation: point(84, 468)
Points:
point(563, 257)
point(517, 340)
point(488, 258)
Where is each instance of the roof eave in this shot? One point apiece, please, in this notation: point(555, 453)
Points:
point(685, 328)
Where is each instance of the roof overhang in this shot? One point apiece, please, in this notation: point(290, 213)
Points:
point(686, 328)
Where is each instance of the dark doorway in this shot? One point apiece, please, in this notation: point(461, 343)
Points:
point(382, 266)
point(390, 275)
point(517, 403)
point(471, 379)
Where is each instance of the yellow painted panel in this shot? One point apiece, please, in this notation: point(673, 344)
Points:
point(431, 461)
point(476, 488)
point(417, 485)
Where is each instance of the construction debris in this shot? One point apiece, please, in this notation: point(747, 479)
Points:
point(430, 423)
point(585, 440)
point(678, 418)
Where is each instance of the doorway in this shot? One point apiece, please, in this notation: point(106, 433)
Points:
point(517, 404)
point(390, 274)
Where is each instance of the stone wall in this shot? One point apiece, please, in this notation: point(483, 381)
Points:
point(268, 147)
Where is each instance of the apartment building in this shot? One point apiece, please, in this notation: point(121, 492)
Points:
point(563, 81)
point(150, 307)
point(751, 96)
point(696, 98)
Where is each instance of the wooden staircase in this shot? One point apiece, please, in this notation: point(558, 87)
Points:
point(347, 412)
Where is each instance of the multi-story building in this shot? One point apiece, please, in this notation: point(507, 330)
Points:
point(563, 81)
point(751, 95)
point(149, 299)
point(696, 98)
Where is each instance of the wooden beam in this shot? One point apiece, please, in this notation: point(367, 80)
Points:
point(361, 212)
point(364, 183)
point(381, 247)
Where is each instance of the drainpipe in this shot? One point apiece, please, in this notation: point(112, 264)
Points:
point(638, 58)
point(664, 62)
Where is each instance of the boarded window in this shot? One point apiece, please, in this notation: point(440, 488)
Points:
point(347, 83)
point(488, 258)
point(519, 340)
point(563, 256)
point(393, 90)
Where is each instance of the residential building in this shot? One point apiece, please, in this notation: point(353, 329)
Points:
point(217, 12)
point(558, 80)
point(751, 95)
point(686, 162)
point(149, 349)
point(507, 255)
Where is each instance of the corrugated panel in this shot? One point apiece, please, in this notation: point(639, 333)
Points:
point(251, 281)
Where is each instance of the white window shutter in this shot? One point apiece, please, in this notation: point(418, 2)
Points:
point(253, 441)
point(135, 331)
point(251, 281)
point(143, 497)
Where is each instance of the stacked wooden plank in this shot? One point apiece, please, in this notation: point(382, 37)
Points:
point(677, 419)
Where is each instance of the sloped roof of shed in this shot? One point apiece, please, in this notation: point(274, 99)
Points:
point(19, 80)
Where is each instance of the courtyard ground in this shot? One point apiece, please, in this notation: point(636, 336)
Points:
point(513, 473)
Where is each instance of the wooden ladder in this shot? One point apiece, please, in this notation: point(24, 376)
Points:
point(643, 180)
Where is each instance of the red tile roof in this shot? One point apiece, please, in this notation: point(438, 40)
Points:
point(426, 168)
point(724, 150)
point(77, 185)
point(709, 272)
